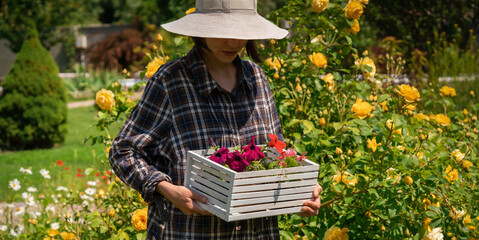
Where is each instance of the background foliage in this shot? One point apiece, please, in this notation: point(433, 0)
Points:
point(33, 105)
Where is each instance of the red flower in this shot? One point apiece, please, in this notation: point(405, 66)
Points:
point(78, 170)
point(108, 172)
point(104, 177)
point(97, 174)
point(67, 168)
point(302, 157)
point(252, 152)
point(80, 175)
point(219, 156)
point(60, 162)
point(279, 145)
point(236, 162)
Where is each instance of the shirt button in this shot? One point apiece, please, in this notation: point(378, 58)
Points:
point(238, 228)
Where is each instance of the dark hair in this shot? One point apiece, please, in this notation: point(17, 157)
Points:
point(251, 48)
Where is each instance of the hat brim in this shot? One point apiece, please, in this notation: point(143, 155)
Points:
point(248, 26)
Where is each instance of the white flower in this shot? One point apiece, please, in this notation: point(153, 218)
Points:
point(456, 215)
point(36, 214)
point(91, 183)
point(55, 226)
point(15, 184)
point(15, 232)
point(83, 195)
point(90, 191)
point(45, 173)
point(85, 203)
point(19, 211)
point(61, 188)
point(32, 189)
point(435, 234)
point(28, 197)
point(26, 171)
point(50, 208)
point(3, 228)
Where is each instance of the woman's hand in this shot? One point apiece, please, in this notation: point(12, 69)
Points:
point(183, 198)
point(311, 208)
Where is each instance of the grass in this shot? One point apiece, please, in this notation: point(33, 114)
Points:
point(74, 153)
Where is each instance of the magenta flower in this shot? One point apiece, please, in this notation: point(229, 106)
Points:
point(302, 157)
point(220, 156)
point(236, 162)
point(252, 152)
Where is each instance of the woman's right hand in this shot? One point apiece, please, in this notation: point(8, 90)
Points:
point(183, 198)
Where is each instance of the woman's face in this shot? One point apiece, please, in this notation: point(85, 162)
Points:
point(224, 50)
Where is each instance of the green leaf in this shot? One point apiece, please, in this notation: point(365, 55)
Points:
point(309, 126)
point(383, 98)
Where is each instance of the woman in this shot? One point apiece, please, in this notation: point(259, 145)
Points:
point(208, 94)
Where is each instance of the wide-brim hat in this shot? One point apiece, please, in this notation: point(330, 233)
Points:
point(235, 19)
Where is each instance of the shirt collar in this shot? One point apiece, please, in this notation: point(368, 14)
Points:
point(203, 81)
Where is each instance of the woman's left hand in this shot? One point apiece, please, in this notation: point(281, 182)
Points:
point(311, 208)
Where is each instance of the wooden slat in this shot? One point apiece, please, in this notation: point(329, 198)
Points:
point(278, 178)
point(275, 192)
point(310, 167)
point(217, 211)
point(210, 192)
point(262, 207)
point(260, 187)
point(210, 169)
point(271, 199)
point(199, 173)
point(267, 213)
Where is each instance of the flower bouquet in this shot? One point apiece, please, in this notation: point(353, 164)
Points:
point(251, 181)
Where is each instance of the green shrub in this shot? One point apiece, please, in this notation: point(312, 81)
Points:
point(33, 106)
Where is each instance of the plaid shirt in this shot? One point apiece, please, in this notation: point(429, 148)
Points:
point(181, 109)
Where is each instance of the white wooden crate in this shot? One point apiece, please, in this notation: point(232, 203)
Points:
point(234, 196)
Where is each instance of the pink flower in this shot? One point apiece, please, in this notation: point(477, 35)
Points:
point(252, 152)
point(302, 157)
point(220, 156)
point(236, 162)
point(288, 153)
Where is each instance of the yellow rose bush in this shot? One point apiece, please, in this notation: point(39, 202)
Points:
point(385, 151)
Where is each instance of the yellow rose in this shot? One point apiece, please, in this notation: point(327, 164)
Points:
point(466, 221)
point(458, 155)
point(408, 180)
point(466, 164)
point(346, 177)
point(442, 119)
point(274, 63)
point(361, 109)
point(409, 93)
point(52, 232)
point(319, 60)
point(373, 144)
point(421, 116)
point(353, 10)
point(298, 88)
point(322, 121)
point(447, 91)
point(329, 79)
point(111, 213)
point(384, 105)
point(319, 5)
point(336, 233)
point(153, 66)
point(139, 219)
point(67, 236)
point(354, 28)
point(452, 174)
point(159, 37)
point(426, 222)
point(190, 10)
point(105, 99)
point(366, 61)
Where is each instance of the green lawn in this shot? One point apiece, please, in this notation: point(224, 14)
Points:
point(74, 153)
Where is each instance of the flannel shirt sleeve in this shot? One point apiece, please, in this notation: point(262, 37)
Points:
point(140, 141)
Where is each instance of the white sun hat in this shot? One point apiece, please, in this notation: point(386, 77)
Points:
point(235, 19)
